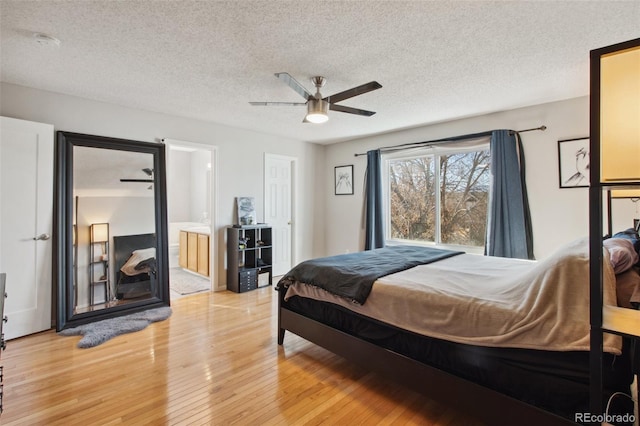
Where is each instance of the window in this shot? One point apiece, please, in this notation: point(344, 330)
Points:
point(439, 194)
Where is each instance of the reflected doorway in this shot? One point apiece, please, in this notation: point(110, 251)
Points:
point(191, 204)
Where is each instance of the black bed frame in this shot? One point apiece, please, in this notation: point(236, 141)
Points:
point(469, 397)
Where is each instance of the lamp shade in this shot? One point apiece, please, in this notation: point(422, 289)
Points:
point(317, 111)
point(620, 116)
point(99, 232)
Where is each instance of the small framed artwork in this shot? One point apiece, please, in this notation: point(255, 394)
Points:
point(344, 180)
point(573, 162)
point(246, 211)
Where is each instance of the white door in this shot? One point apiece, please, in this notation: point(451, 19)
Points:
point(278, 190)
point(26, 222)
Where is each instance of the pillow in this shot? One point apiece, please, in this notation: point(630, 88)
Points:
point(628, 288)
point(621, 253)
point(129, 268)
point(631, 235)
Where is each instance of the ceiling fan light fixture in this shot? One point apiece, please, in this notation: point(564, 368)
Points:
point(318, 105)
point(317, 110)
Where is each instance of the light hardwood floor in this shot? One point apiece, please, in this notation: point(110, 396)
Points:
point(215, 361)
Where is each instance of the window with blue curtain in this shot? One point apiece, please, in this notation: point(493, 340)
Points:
point(464, 192)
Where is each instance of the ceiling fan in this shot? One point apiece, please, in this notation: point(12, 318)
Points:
point(317, 106)
point(148, 172)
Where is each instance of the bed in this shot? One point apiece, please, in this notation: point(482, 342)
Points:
point(135, 263)
point(526, 361)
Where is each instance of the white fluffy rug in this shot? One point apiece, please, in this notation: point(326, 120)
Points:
point(99, 332)
point(184, 282)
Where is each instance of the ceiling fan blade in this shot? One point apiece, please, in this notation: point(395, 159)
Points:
point(137, 180)
point(291, 82)
point(277, 103)
point(364, 88)
point(350, 110)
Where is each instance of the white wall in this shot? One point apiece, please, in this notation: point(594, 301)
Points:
point(187, 185)
point(240, 154)
point(178, 188)
point(199, 188)
point(558, 215)
point(623, 211)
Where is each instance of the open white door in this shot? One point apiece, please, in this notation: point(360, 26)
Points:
point(26, 221)
point(278, 208)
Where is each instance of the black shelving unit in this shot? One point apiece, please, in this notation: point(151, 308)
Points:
point(99, 262)
point(249, 258)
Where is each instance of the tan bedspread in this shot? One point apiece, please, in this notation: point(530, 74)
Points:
point(490, 301)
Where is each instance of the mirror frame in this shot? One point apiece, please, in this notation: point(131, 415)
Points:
point(63, 270)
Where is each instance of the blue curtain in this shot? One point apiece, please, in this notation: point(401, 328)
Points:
point(374, 223)
point(509, 232)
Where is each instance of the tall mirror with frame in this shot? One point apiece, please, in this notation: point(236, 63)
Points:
point(614, 167)
point(111, 222)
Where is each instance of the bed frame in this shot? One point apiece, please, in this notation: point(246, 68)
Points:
point(484, 403)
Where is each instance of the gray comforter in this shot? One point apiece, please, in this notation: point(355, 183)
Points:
point(352, 275)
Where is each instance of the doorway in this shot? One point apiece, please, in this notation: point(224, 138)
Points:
point(191, 211)
point(279, 208)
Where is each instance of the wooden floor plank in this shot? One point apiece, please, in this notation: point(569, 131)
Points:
point(214, 361)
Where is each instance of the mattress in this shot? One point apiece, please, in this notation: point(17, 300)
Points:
point(488, 301)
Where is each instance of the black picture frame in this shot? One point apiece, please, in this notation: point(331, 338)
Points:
point(343, 180)
point(573, 163)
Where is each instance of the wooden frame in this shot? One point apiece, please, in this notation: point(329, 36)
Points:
point(486, 404)
point(573, 163)
point(343, 180)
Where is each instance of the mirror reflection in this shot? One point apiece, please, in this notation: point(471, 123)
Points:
point(114, 222)
point(111, 222)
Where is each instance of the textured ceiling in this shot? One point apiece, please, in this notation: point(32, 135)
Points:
point(436, 60)
point(97, 172)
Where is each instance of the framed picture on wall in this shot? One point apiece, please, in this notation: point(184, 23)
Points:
point(344, 180)
point(573, 162)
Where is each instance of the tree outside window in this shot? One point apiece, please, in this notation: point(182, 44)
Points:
point(440, 198)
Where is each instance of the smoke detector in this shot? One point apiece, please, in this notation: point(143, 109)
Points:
point(46, 40)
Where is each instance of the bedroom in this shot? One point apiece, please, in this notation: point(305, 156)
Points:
point(322, 226)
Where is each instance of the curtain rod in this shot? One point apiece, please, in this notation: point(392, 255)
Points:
point(542, 128)
point(455, 138)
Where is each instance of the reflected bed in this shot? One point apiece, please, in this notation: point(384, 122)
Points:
point(135, 265)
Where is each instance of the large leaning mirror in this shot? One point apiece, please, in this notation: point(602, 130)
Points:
point(111, 222)
point(615, 160)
